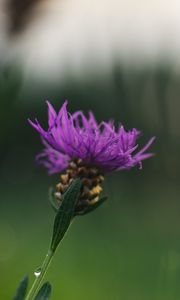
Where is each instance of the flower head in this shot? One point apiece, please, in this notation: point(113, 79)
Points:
point(75, 136)
point(86, 149)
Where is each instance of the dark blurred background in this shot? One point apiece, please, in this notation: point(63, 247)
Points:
point(130, 248)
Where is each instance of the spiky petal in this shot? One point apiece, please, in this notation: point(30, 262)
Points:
point(76, 136)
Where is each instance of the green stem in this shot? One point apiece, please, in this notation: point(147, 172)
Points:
point(39, 278)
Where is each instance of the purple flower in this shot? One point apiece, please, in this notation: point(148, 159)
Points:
point(87, 150)
point(71, 137)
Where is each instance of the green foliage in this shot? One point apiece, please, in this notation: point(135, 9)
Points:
point(22, 288)
point(44, 292)
point(65, 213)
point(52, 200)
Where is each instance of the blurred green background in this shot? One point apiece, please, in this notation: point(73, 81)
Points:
point(128, 249)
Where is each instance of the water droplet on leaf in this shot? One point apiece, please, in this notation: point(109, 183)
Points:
point(37, 272)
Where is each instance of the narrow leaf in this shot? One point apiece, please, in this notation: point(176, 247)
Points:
point(44, 292)
point(90, 208)
point(21, 290)
point(65, 213)
point(52, 200)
